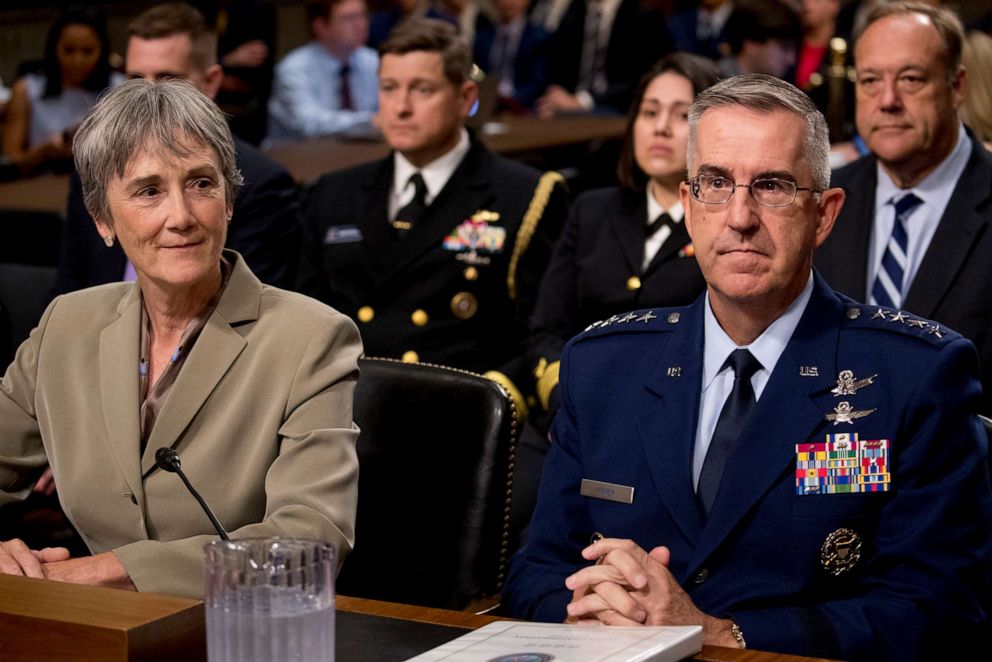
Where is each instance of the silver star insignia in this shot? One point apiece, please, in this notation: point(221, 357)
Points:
point(934, 330)
point(626, 318)
point(918, 323)
point(848, 385)
point(879, 314)
point(647, 317)
point(594, 325)
point(898, 316)
point(845, 413)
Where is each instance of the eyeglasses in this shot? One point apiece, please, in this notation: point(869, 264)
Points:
point(768, 192)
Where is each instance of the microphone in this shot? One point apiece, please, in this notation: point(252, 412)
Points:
point(168, 460)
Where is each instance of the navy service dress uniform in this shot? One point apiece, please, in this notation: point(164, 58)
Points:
point(853, 517)
point(597, 271)
point(458, 287)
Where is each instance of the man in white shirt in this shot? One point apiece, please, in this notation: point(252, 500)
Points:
point(776, 463)
point(915, 232)
point(328, 85)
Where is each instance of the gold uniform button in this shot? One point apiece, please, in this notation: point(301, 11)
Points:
point(365, 314)
point(419, 317)
point(633, 283)
point(464, 305)
point(471, 273)
point(410, 357)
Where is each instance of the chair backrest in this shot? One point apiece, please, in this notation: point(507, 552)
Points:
point(435, 468)
point(24, 292)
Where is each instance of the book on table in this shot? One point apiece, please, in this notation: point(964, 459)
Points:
point(516, 641)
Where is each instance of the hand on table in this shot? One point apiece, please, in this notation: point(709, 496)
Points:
point(629, 586)
point(555, 100)
point(16, 558)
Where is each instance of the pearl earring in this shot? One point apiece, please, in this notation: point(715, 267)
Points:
point(108, 240)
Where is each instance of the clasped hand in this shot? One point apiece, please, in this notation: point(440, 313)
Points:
point(629, 586)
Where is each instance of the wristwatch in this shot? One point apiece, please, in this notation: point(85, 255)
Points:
point(735, 631)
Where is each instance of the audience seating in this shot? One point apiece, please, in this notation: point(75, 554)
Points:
point(24, 292)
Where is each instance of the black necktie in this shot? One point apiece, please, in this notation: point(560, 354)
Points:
point(408, 216)
point(652, 228)
point(345, 92)
point(733, 416)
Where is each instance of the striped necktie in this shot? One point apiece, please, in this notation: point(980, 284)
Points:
point(887, 290)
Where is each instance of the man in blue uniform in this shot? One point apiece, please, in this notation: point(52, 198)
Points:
point(789, 469)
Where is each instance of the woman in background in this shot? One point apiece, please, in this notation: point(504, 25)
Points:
point(46, 106)
point(976, 112)
point(625, 248)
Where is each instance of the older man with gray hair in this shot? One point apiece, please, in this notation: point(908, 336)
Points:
point(789, 469)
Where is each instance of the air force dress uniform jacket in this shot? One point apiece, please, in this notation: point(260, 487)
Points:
point(890, 561)
point(458, 287)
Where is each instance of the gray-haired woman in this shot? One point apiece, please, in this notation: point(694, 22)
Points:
point(251, 385)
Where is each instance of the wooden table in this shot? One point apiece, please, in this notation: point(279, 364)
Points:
point(52, 620)
point(308, 159)
point(46, 193)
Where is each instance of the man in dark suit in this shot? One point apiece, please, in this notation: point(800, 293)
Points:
point(438, 249)
point(514, 49)
point(915, 232)
point(172, 41)
point(776, 463)
point(592, 68)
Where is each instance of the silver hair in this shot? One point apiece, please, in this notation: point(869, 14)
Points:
point(170, 113)
point(762, 93)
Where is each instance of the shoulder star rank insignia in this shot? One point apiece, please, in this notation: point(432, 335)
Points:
point(647, 317)
point(879, 314)
point(845, 413)
point(918, 323)
point(934, 330)
point(626, 318)
point(840, 551)
point(898, 316)
point(848, 385)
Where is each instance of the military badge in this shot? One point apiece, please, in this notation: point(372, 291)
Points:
point(843, 464)
point(840, 551)
point(845, 413)
point(848, 385)
point(477, 234)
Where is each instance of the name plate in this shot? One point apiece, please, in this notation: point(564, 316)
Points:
point(597, 489)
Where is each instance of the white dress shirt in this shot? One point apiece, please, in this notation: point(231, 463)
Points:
point(436, 174)
point(658, 239)
point(718, 380)
point(935, 191)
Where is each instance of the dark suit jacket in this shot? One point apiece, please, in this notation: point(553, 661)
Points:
point(265, 229)
point(601, 248)
point(954, 282)
point(529, 65)
point(682, 27)
point(629, 418)
point(353, 259)
point(638, 39)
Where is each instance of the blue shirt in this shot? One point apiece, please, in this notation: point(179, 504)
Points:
point(935, 191)
point(718, 380)
point(306, 93)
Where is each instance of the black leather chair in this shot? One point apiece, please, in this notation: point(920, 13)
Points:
point(436, 465)
point(24, 292)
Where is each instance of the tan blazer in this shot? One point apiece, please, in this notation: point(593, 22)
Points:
point(261, 416)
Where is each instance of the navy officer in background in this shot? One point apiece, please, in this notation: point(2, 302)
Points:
point(436, 251)
point(789, 469)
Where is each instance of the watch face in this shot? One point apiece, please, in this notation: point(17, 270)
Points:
point(524, 657)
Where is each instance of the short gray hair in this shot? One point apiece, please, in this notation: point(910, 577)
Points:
point(944, 21)
point(762, 93)
point(136, 111)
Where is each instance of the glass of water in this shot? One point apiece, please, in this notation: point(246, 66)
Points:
point(269, 599)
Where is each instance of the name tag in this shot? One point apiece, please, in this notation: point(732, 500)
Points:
point(343, 234)
point(597, 489)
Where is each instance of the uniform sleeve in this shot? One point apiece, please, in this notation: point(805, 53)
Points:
point(311, 488)
point(555, 316)
point(559, 530)
point(22, 456)
point(926, 582)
